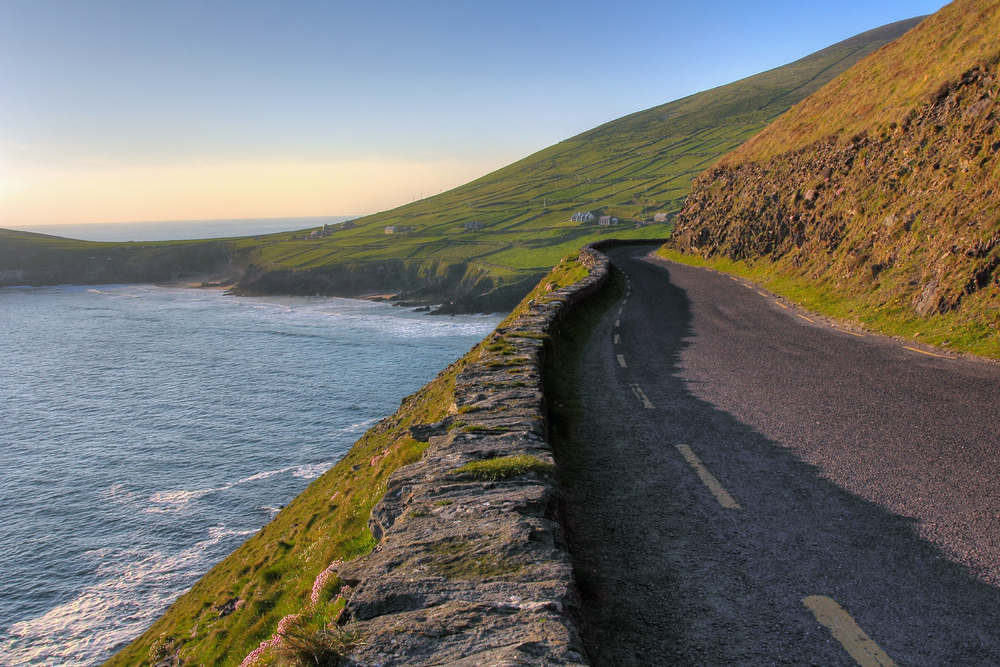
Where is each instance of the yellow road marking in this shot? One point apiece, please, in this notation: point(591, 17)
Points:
point(733, 278)
point(782, 305)
point(641, 395)
point(617, 322)
point(747, 286)
point(621, 360)
point(850, 332)
point(620, 310)
point(617, 339)
point(708, 478)
point(762, 293)
point(843, 628)
point(805, 318)
point(625, 301)
point(929, 354)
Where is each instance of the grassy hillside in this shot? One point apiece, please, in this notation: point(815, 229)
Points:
point(631, 168)
point(892, 220)
point(880, 94)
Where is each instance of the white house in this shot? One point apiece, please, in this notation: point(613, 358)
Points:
point(582, 216)
point(661, 217)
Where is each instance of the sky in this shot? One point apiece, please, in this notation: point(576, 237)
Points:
point(156, 110)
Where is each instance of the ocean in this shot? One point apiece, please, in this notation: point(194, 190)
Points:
point(173, 230)
point(148, 431)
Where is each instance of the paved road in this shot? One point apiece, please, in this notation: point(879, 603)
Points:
point(848, 472)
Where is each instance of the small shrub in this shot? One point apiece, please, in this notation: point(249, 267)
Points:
point(504, 467)
point(442, 503)
point(162, 647)
point(304, 646)
point(472, 428)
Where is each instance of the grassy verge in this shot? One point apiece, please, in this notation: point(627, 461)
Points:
point(973, 328)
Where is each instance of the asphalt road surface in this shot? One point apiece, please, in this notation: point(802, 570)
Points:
point(749, 487)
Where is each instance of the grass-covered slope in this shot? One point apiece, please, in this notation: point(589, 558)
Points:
point(631, 168)
point(283, 569)
point(891, 220)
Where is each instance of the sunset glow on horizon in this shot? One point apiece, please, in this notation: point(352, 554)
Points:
point(121, 111)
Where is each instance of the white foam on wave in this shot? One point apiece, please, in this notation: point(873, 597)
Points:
point(134, 589)
point(312, 470)
point(173, 501)
point(354, 428)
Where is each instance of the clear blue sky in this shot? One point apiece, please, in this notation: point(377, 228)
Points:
point(140, 110)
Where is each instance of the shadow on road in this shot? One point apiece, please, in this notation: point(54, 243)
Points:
point(670, 577)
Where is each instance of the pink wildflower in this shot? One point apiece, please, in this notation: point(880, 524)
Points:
point(322, 580)
point(275, 639)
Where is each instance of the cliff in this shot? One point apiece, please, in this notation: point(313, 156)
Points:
point(893, 215)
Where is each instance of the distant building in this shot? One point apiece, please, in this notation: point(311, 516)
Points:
point(661, 217)
point(473, 225)
point(391, 229)
point(582, 216)
point(347, 225)
point(607, 220)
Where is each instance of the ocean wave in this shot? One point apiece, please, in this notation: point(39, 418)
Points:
point(312, 470)
point(135, 588)
point(354, 428)
point(175, 500)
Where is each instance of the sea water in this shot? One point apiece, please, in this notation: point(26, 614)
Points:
point(172, 230)
point(145, 432)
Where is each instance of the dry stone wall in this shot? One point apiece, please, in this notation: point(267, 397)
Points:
point(473, 571)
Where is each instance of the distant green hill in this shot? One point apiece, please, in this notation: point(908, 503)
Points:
point(630, 168)
point(875, 199)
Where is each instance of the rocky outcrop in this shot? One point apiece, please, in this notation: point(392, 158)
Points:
point(471, 566)
point(910, 215)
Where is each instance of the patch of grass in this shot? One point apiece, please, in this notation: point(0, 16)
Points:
point(442, 503)
point(461, 559)
point(304, 645)
point(875, 95)
point(504, 467)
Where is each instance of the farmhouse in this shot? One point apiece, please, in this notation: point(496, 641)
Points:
point(473, 225)
point(391, 229)
point(661, 217)
point(582, 216)
point(607, 220)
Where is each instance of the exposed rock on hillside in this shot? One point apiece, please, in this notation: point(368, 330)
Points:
point(909, 212)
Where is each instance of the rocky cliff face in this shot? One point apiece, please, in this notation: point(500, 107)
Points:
point(912, 213)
